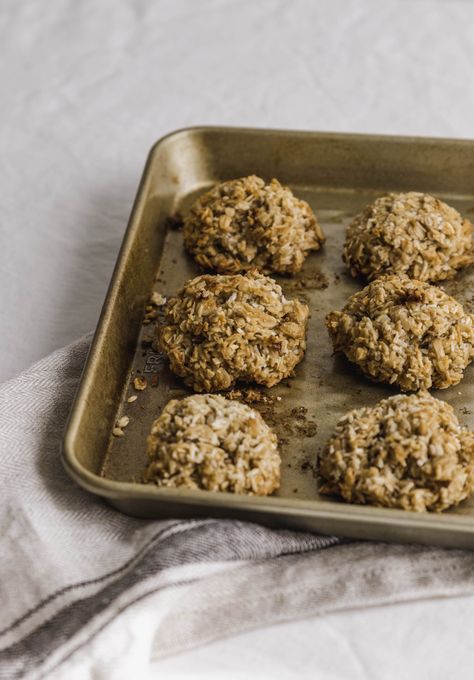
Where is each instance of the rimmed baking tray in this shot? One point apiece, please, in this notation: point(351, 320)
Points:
point(338, 174)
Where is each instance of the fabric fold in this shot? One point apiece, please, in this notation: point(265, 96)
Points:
point(74, 570)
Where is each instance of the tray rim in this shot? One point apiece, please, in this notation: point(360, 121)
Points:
point(270, 505)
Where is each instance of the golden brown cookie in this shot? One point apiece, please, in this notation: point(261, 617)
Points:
point(411, 233)
point(408, 452)
point(208, 442)
point(222, 329)
point(406, 333)
point(244, 223)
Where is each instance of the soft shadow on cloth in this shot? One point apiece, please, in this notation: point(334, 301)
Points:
point(53, 531)
point(71, 565)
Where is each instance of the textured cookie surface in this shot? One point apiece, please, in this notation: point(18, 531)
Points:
point(222, 329)
point(208, 442)
point(405, 332)
point(411, 233)
point(245, 223)
point(408, 452)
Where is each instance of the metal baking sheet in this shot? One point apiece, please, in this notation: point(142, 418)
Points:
point(338, 175)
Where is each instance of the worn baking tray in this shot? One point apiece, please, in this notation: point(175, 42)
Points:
point(338, 174)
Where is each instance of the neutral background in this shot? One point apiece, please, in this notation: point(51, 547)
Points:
point(87, 87)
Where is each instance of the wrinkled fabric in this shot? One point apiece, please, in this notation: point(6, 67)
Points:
point(87, 87)
point(77, 576)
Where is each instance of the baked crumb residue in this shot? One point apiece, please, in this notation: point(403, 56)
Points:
point(175, 222)
point(140, 383)
point(310, 281)
point(250, 395)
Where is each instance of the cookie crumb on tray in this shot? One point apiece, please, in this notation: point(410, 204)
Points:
point(140, 383)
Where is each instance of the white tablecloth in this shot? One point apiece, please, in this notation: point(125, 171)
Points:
point(88, 86)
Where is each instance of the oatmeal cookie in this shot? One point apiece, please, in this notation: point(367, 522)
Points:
point(412, 233)
point(405, 332)
point(407, 452)
point(220, 329)
point(208, 442)
point(245, 223)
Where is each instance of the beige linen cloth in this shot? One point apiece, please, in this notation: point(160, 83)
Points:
point(89, 592)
